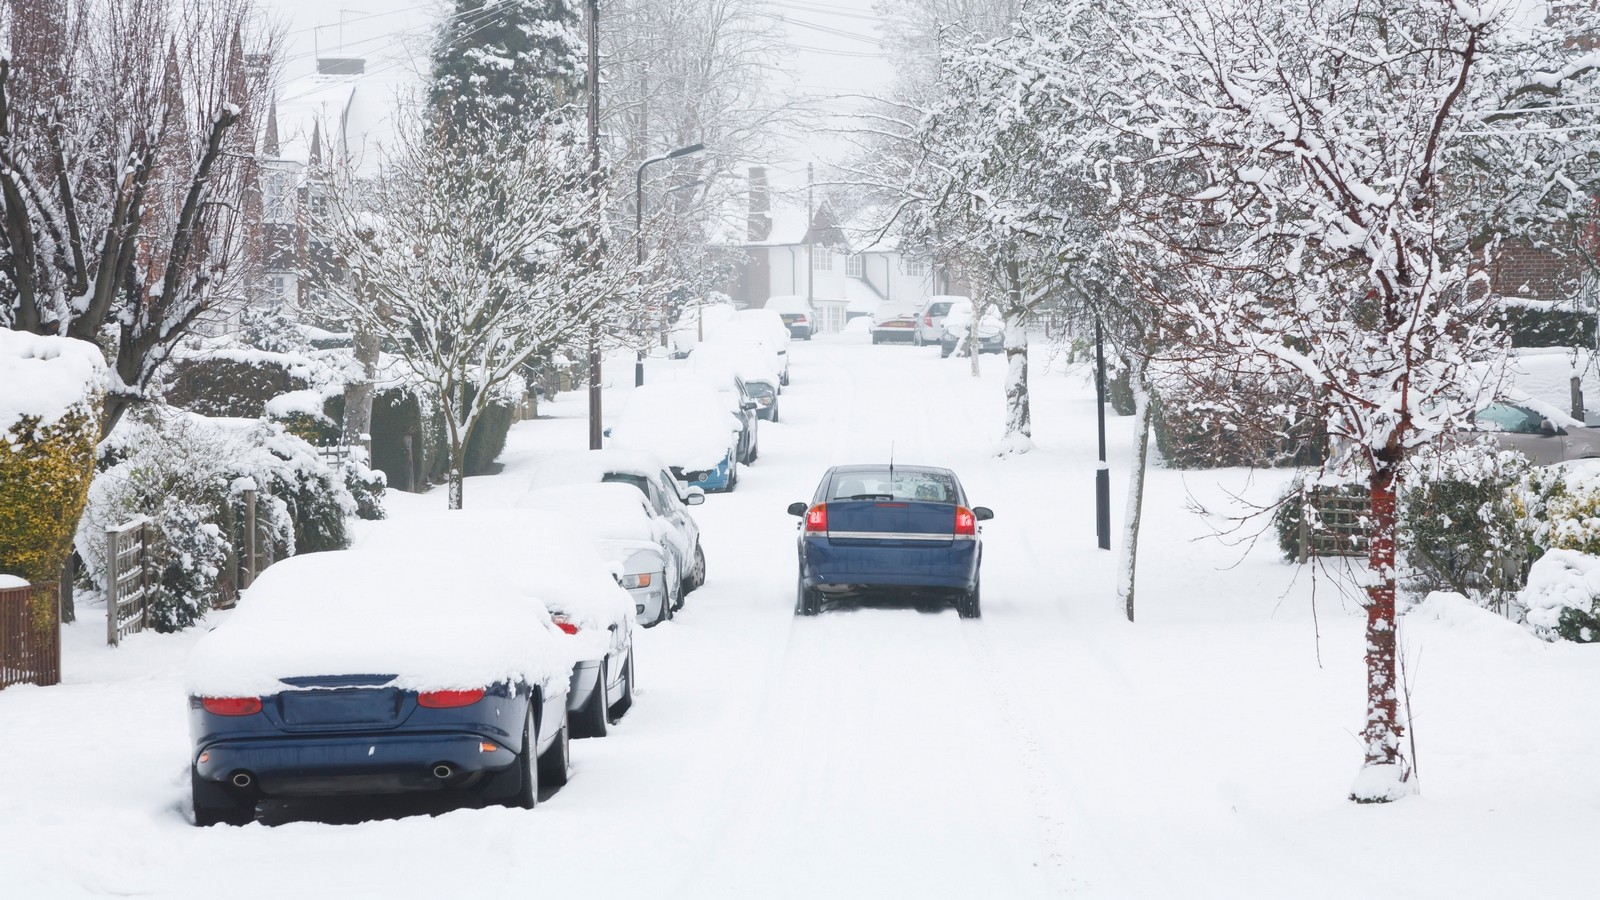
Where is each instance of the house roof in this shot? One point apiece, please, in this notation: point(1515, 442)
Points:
point(355, 115)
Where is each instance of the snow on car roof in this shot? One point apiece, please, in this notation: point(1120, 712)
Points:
point(592, 466)
point(617, 512)
point(551, 559)
point(685, 423)
point(433, 624)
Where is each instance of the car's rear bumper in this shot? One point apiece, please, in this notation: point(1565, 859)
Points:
point(321, 765)
point(907, 334)
point(889, 564)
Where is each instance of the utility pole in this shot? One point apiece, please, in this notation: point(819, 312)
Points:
point(638, 240)
point(591, 16)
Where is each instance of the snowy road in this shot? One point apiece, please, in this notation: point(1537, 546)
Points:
point(1050, 749)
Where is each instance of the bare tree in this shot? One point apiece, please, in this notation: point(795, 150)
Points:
point(124, 171)
point(473, 253)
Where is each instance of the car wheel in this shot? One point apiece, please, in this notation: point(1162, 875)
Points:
point(916, 339)
point(216, 805)
point(556, 763)
point(594, 718)
point(665, 613)
point(774, 412)
point(807, 601)
point(733, 476)
point(625, 702)
point(944, 352)
point(969, 604)
point(697, 576)
point(875, 339)
point(527, 794)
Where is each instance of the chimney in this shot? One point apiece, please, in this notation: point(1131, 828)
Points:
point(760, 205)
point(341, 65)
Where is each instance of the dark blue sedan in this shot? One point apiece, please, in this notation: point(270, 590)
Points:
point(889, 528)
point(325, 736)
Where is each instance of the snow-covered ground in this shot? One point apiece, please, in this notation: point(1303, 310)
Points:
point(1051, 748)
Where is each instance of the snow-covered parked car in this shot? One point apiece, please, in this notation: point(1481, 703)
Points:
point(958, 327)
point(688, 426)
point(669, 496)
point(581, 589)
point(1538, 431)
point(895, 320)
point(627, 533)
point(747, 364)
point(798, 314)
point(351, 672)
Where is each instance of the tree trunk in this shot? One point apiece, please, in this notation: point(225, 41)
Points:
point(1019, 418)
point(1134, 511)
point(458, 465)
point(358, 394)
point(1385, 774)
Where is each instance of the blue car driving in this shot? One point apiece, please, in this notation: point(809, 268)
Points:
point(877, 528)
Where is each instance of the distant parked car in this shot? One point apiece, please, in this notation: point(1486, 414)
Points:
point(797, 312)
point(696, 324)
point(904, 530)
point(894, 320)
point(765, 393)
point(958, 325)
point(669, 496)
point(930, 319)
point(529, 549)
point(338, 674)
point(1544, 437)
point(688, 426)
point(628, 534)
point(764, 327)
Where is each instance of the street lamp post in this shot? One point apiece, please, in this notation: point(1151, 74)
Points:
point(638, 229)
point(1102, 475)
point(591, 10)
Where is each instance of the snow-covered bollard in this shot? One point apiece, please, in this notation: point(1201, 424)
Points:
point(50, 400)
point(1563, 596)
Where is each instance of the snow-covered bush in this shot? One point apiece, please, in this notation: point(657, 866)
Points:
point(238, 381)
point(1205, 420)
point(272, 330)
point(1563, 596)
point(50, 391)
point(188, 474)
point(1461, 526)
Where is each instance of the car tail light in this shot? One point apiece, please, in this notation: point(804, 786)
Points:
point(800, 320)
point(565, 624)
point(449, 699)
point(966, 522)
point(232, 706)
point(928, 320)
point(817, 518)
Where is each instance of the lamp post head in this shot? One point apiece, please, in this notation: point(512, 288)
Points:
point(685, 151)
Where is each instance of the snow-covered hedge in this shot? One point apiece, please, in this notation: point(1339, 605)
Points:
point(1563, 596)
point(188, 474)
point(50, 391)
point(1463, 527)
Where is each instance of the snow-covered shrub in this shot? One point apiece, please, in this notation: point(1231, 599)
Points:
point(1563, 596)
point(234, 381)
point(1461, 527)
point(188, 474)
point(366, 486)
point(1207, 420)
point(272, 330)
point(50, 391)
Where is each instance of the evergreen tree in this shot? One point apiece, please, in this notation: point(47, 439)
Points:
point(506, 62)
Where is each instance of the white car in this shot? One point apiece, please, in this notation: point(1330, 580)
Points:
point(799, 316)
point(669, 496)
point(627, 533)
point(528, 549)
point(688, 426)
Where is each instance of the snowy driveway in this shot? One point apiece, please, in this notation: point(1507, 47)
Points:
point(1049, 749)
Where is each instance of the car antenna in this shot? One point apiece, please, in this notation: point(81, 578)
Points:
point(891, 467)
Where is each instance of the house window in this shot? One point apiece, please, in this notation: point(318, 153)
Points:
point(282, 288)
point(914, 265)
point(852, 265)
point(822, 259)
point(277, 198)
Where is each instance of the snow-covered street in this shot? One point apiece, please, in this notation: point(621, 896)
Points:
point(1049, 749)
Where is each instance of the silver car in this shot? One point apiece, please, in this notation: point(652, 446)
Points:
point(626, 533)
point(930, 319)
point(1537, 436)
point(669, 497)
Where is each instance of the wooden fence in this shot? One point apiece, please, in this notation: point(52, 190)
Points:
point(1342, 528)
point(30, 635)
point(129, 579)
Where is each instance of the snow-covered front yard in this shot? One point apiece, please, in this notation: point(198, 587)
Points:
point(1049, 749)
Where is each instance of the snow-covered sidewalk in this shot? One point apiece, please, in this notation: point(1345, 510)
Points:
point(1051, 748)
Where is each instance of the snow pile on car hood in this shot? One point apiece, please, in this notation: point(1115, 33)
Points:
point(685, 424)
point(592, 466)
point(444, 625)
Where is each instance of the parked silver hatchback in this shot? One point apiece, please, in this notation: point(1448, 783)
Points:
point(1535, 435)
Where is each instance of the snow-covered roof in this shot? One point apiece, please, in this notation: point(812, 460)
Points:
point(348, 117)
point(860, 296)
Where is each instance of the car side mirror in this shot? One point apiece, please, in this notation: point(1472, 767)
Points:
point(748, 405)
point(982, 513)
point(696, 497)
point(798, 509)
point(1549, 428)
point(605, 433)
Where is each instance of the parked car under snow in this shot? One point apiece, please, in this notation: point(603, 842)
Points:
point(360, 673)
point(688, 426)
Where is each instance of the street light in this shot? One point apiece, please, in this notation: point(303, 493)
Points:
point(1102, 475)
point(638, 229)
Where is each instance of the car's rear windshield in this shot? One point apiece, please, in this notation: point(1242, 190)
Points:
point(939, 309)
point(887, 484)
